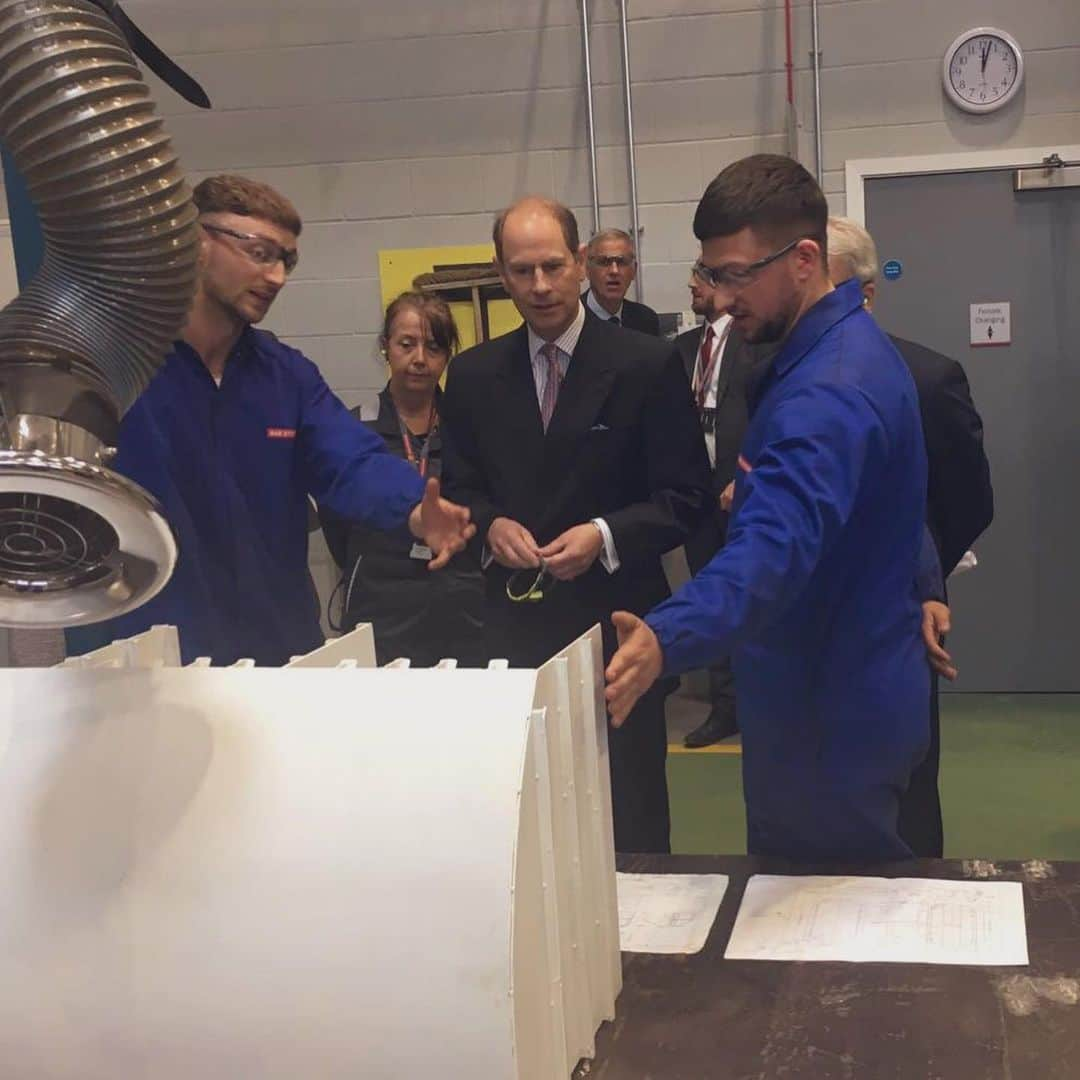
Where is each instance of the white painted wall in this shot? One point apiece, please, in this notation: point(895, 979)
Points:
point(408, 122)
point(395, 123)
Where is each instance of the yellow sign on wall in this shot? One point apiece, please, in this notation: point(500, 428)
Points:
point(398, 267)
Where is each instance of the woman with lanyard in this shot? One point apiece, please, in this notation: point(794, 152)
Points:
point(385, 581)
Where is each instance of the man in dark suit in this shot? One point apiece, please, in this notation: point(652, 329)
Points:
point(718, 363)
point(959, 506)
point(611, 266)
point(575, 445)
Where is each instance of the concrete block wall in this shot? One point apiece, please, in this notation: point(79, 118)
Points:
point(399, 123)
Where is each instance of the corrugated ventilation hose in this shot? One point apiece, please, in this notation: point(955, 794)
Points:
point(78, 542)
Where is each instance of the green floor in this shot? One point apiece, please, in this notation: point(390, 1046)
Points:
point(1010, 782)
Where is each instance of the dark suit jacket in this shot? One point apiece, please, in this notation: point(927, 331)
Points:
point(731, 411)
point(960, 498)
point(635, 316)
point(740, 360)
point(624, 444)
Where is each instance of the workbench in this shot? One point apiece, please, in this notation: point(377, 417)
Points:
point(703, 1016)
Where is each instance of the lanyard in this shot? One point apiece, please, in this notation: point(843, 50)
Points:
point(704, 380)
point(419, 462)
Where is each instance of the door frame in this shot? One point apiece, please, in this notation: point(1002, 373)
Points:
point(858, 170)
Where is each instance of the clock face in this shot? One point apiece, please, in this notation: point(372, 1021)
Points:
point(983, 70)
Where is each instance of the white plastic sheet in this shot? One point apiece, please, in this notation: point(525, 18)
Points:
point(312, 871)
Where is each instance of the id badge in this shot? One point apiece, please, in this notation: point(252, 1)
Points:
point(421, 551)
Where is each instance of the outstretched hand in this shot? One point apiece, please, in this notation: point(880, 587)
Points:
point(442, 525)
point(636, 665)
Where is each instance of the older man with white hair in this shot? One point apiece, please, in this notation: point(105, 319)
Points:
point(960, 502)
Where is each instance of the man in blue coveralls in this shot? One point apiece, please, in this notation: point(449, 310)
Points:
point(234, 433)
point(814, 594)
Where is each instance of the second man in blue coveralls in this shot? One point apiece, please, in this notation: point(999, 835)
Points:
point(814, 594)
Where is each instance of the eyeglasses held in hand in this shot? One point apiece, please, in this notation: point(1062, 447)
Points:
point(261, 250)
point(527, 586)
point(604, 261)
point(738, 277)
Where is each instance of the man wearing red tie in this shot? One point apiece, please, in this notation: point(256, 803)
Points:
point(575, 445)
point(718, 363)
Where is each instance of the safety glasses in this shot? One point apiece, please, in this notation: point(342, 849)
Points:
point(603, 262)
point(738, 277)
point(261, 250)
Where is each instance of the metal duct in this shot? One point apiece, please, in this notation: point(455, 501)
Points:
point(635, 224)
point(590, 115)
point(78, 542)
point(819, 158)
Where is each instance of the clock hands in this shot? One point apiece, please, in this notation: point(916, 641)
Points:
point(983, 70)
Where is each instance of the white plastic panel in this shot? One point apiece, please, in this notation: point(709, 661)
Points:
point(595, 823)
point(358, 645)
point(338, 871)
point(259, 873)
point(157, 647)
point(552, 691)
point(576, 674)
point(539, 1007)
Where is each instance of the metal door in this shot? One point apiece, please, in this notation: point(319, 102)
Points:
point(964, 238)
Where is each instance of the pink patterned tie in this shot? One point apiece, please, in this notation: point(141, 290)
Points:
point(550, 352)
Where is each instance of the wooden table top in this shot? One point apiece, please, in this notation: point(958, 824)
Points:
point(703, 1016)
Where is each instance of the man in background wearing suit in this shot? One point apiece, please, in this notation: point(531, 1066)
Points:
point(959, 505)
point(717, 362)
point(575, 445)
point(611, 264)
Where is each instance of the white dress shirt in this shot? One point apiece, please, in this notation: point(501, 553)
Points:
point(601, 312)
point(721, 331)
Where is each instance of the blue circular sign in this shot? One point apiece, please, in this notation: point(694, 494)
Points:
point(893, 269)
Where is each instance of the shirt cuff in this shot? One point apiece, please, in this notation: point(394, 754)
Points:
point(609, 557)
point(656, 625)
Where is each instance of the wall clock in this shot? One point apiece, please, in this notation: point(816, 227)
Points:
point(983, 69)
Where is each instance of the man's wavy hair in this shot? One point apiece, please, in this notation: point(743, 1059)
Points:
point(228, 194)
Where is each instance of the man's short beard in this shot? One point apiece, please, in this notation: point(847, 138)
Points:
point(768, 333)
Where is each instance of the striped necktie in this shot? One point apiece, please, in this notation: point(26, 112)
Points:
point(706, 363)
point(550, 352)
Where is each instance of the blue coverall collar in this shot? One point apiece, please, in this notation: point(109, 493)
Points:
point(833, 307)
point(245, 346)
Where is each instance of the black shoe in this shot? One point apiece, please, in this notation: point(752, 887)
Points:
point(719, 726)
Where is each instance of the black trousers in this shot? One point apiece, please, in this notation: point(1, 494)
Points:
point(637, 753)
point(920, 824)
point(722, 687)
point(700, 549)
